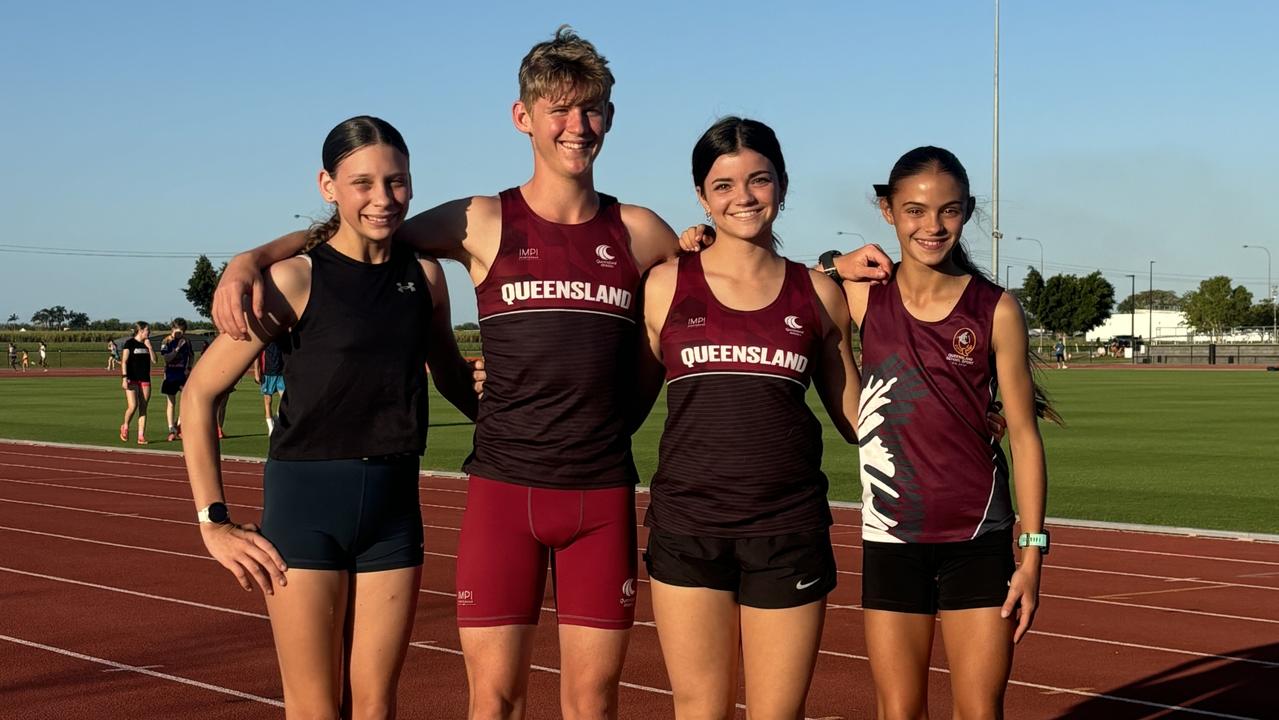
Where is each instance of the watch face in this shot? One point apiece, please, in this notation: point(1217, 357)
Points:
point(218, 513)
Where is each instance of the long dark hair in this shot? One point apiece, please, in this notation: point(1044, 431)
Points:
point(934, 159)
point(728, 136)
point(349, 136)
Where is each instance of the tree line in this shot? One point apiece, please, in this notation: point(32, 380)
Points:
point(1071, 305)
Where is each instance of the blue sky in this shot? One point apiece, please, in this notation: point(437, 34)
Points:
point(1131, 131)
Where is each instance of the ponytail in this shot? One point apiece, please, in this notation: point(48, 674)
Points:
point(321, 232)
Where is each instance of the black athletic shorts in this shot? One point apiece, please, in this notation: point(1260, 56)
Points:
point(927, 577)
point(172, 386)
point(354, 515)
point(777, 571)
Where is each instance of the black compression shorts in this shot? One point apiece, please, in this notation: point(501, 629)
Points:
point(354, 515)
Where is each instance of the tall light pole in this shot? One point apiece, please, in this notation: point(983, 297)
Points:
point(1132, 332)
point(1008, 270)
point(1150, 311)
point(995, 233)
point(1274, 319)
point(1041, 254)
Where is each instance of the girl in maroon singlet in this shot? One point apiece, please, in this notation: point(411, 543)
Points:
point(939, 340)
point(739, 552)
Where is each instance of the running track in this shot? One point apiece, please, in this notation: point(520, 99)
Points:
point(110, 608)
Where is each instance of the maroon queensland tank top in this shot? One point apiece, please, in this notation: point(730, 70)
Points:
point(930, 470)
point(558, 318)
point(741, 453)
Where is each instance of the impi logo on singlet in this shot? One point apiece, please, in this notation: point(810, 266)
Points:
point(514, 292)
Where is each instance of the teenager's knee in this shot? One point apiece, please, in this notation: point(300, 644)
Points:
point(991, 708)
point(495, 706)
point(376, 708)
point(589, 701)
point(705, 708)
point(902, 708)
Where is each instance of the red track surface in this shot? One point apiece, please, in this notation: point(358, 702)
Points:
point(112, 609)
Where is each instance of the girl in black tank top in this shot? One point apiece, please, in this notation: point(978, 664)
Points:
point(359, 318)
point(739, 518)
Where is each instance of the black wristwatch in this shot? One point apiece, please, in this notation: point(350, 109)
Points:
point(827, 260)
point(215, 513)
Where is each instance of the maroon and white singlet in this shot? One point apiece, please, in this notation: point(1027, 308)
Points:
point(558, 316)
point(931, 471)
point(741, 453)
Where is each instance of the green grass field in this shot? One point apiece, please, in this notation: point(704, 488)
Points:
point(1163, 447)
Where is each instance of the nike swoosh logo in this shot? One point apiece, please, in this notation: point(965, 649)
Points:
point(801, 585)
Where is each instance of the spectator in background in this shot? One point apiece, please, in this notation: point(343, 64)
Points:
point(135, 378)
point(178, 359)
point(113, 355)
point(13, 357)
point(44, 356)
point(1059, 353)
point(268, 372)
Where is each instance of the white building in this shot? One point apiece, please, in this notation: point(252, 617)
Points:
point(1161, 324)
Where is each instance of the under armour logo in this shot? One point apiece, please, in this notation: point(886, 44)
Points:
point(405, 287)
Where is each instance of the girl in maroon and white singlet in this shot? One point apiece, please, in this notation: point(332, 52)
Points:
point(938, 342)
point(739, 551)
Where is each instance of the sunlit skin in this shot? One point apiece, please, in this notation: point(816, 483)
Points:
point(742, 194)
point(928, 211)
point(371, 188)
point(567, 133)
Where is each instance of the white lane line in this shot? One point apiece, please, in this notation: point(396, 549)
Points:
point(1218, 583)
point(104, 542)
point(1188, 556)
point(434, 647)
point(134, 516)
point(1074, 691)
point(135, 593)
point(1201, 613)
point(829, 606)
point(144, 670)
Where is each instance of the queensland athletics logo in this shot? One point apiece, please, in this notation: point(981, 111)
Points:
point(604, 256)
point(793, 326)
point(964, 342)
point(628, 593)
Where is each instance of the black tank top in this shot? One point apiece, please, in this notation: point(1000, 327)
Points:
point(741, 454)
point(558, 319)
point(356, 360)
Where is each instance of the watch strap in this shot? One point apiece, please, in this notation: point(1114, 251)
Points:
point(1037, 540)
point(827, 260)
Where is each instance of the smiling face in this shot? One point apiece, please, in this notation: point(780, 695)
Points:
point(371, 188)
point(567, 132)
point(742, 194)
point(928, 210)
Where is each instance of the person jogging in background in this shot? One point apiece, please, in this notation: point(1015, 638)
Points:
point(178, 356)
point(135, 378)
point(268, 372)
point(340, 549)
point(113, 355)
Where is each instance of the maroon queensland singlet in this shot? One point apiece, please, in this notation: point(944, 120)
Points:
point(930, 470)
point(558, 318)
point(741, 453)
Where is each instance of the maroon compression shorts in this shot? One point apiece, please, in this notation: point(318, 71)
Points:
point(508, 533)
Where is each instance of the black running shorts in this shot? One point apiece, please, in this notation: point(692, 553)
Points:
point(771, 572)
point(927, 577)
